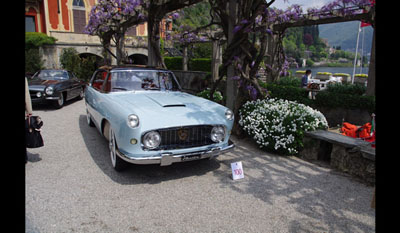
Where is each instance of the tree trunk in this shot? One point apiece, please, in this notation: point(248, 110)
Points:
point(106, 42)
point(155, 58)
point(185, 57)
point(216, 59)
point(231, 85)
point(120, 44)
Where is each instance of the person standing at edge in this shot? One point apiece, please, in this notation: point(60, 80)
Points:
point(28, 110)
point(304, 79)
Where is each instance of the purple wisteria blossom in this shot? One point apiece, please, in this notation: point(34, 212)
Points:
point(175, 15)
point(111, 14)
point(252, 92)
point(237, 28)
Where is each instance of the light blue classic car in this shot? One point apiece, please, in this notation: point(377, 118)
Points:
point(146, 118)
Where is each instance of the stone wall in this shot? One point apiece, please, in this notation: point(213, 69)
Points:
point(353, 162)
point(83, 43)
point(349, 155)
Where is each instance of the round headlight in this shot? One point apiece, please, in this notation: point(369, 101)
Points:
point(49, 90)
point(133, 121)
point(39, 94)
point(229, 114)
point(151, 140)
point(218, 134)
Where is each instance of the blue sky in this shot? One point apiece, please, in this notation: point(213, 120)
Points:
point(281, 4)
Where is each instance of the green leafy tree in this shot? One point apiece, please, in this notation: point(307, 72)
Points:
point(82, 67)
point(70, 59)
point(33, 61)
point(34, 40)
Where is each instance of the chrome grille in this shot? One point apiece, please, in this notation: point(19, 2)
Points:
point(185, 137)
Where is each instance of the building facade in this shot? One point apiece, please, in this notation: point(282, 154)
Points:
point(66, 19)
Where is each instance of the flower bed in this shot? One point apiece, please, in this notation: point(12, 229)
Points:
point(278, 125)
point(361, 75)
point(323, 76)
point(300, 73)
point(361, 78)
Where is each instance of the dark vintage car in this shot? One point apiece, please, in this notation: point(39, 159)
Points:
point(55, 87)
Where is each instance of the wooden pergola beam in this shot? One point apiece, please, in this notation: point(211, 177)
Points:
point(317, 21)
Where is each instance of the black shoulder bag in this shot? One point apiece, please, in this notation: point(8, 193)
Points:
point(32, 132)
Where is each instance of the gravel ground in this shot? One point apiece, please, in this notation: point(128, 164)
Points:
point(71, 187)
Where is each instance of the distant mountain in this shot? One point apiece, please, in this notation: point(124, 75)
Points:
point(345, 35)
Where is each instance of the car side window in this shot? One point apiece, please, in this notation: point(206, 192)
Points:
point(98, 80)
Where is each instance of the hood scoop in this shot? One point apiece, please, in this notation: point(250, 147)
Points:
point(166, 101)
point(173, 105)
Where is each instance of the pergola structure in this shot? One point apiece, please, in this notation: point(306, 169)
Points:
point(337, 16)
point(217, 38)
point(327, 18)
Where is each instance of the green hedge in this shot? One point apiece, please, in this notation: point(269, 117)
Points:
point(200, 64)
point(338, 100)
point(173, 63)
point(196, 64)
point(37, 39)
point(346, 88)
point(347, 97)
point(287, 92)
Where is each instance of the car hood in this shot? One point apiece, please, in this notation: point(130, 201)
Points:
point(40, 84)
point(170, 109)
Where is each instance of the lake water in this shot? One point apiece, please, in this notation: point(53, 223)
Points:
point(346, 70)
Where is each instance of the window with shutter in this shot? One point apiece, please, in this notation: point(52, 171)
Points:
point(79, 16)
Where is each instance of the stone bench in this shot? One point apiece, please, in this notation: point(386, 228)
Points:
point(351, 155)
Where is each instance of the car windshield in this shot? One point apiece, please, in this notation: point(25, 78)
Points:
point(51, 75)
point(129, 80)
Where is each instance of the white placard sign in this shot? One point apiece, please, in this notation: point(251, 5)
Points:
point(237, 170)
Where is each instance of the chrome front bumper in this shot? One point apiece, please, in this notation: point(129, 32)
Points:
point(165, 159)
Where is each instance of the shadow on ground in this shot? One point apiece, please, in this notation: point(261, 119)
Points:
point(97, 146)
point(33, 157)
point(48, 106)
point(328, 200)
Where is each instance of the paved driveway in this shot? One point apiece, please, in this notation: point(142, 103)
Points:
point(71, 187)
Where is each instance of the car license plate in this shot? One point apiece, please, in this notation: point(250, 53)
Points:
point(191, 157)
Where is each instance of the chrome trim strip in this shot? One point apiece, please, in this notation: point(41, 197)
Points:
point(52, 98)
point(165, 159)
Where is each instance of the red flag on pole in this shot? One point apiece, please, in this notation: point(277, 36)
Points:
point(363, 23)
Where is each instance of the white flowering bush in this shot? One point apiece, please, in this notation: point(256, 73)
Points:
point(278, 125)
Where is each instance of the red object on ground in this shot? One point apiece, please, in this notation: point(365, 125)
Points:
point(349, 130)
point(363, 132)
